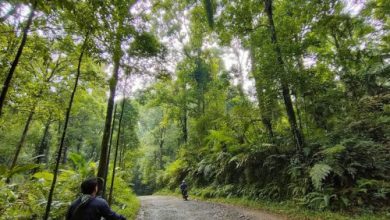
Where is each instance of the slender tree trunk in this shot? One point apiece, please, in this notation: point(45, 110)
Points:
point(298, 112)
point(107, 127)
point(161, 144)
point(298, 138)
point(184, 117)
point(60, 148)
point(123, 151)
point(59, 128)
point(22, 139)
point(109, 151)
point(93, 153)
point(79, 144)
point(184, 125)
point(116, 152)
point(11, 72)
point(264, 109)
point(41, 152)
point(294, 92)
point(65, 151)
point(240, 76)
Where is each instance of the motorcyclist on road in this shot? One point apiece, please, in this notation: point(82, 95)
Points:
point(183, 188)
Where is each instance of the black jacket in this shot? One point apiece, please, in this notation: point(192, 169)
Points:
point(183, 186)
point(93, 209)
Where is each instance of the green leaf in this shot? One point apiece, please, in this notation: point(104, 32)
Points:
point(47, 176)
point(333, 150)
point(318, 173)
point(21, 169)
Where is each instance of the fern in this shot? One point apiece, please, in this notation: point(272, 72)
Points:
point(318, 173)
point(333, 150)
point(21, 169)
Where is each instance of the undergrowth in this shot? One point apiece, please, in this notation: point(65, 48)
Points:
point(25, 197)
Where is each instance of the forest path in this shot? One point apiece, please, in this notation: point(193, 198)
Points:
point(171, 208)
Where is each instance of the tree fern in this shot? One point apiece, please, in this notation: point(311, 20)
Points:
point(318, 173)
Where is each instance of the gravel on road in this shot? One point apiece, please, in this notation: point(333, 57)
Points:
point(171, 208)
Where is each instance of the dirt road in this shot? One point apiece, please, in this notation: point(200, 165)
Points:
point(171, 208)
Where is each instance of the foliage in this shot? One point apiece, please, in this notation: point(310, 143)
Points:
point(125, 201)
point(228, 141)
point(27, 194)
point(318, 173)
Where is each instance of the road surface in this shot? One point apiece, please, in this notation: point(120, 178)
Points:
point(171, 208)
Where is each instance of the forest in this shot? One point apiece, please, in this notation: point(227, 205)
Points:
point(264, 100)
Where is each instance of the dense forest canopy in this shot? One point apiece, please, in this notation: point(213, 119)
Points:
point(272, 100)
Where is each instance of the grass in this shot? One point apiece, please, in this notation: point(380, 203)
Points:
point(288, 209)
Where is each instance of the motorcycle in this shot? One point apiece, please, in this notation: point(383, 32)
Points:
point(185, 195)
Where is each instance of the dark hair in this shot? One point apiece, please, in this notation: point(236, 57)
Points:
point(89, 185)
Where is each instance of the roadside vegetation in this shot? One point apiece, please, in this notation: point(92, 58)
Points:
point(25, 196)
point(311, 130)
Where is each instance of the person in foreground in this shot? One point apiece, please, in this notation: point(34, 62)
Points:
point(90, 207)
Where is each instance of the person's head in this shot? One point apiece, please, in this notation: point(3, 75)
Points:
point(183, 181)
point(89, 186)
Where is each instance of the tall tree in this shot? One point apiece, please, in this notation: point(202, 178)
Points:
point(298, 138)
point(67, 116)
point(116, 150)
point(109, 148)
point(117, 19)
point(15, 62)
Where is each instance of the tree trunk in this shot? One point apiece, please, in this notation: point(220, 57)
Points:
point(65, 151)
point(285, 87)
point(43, 145)
point(299, 114)
point(107, 127)
point(22, 139)
point(122, 150)
point(79, 144)
point(11, 72)
point(161, 144)
point(93, 153)
point(240, 76)
point(116, 152)
point(60, 148)
point(264, 111)
point(184, 125)
point(109, 151)
point(184, 117)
